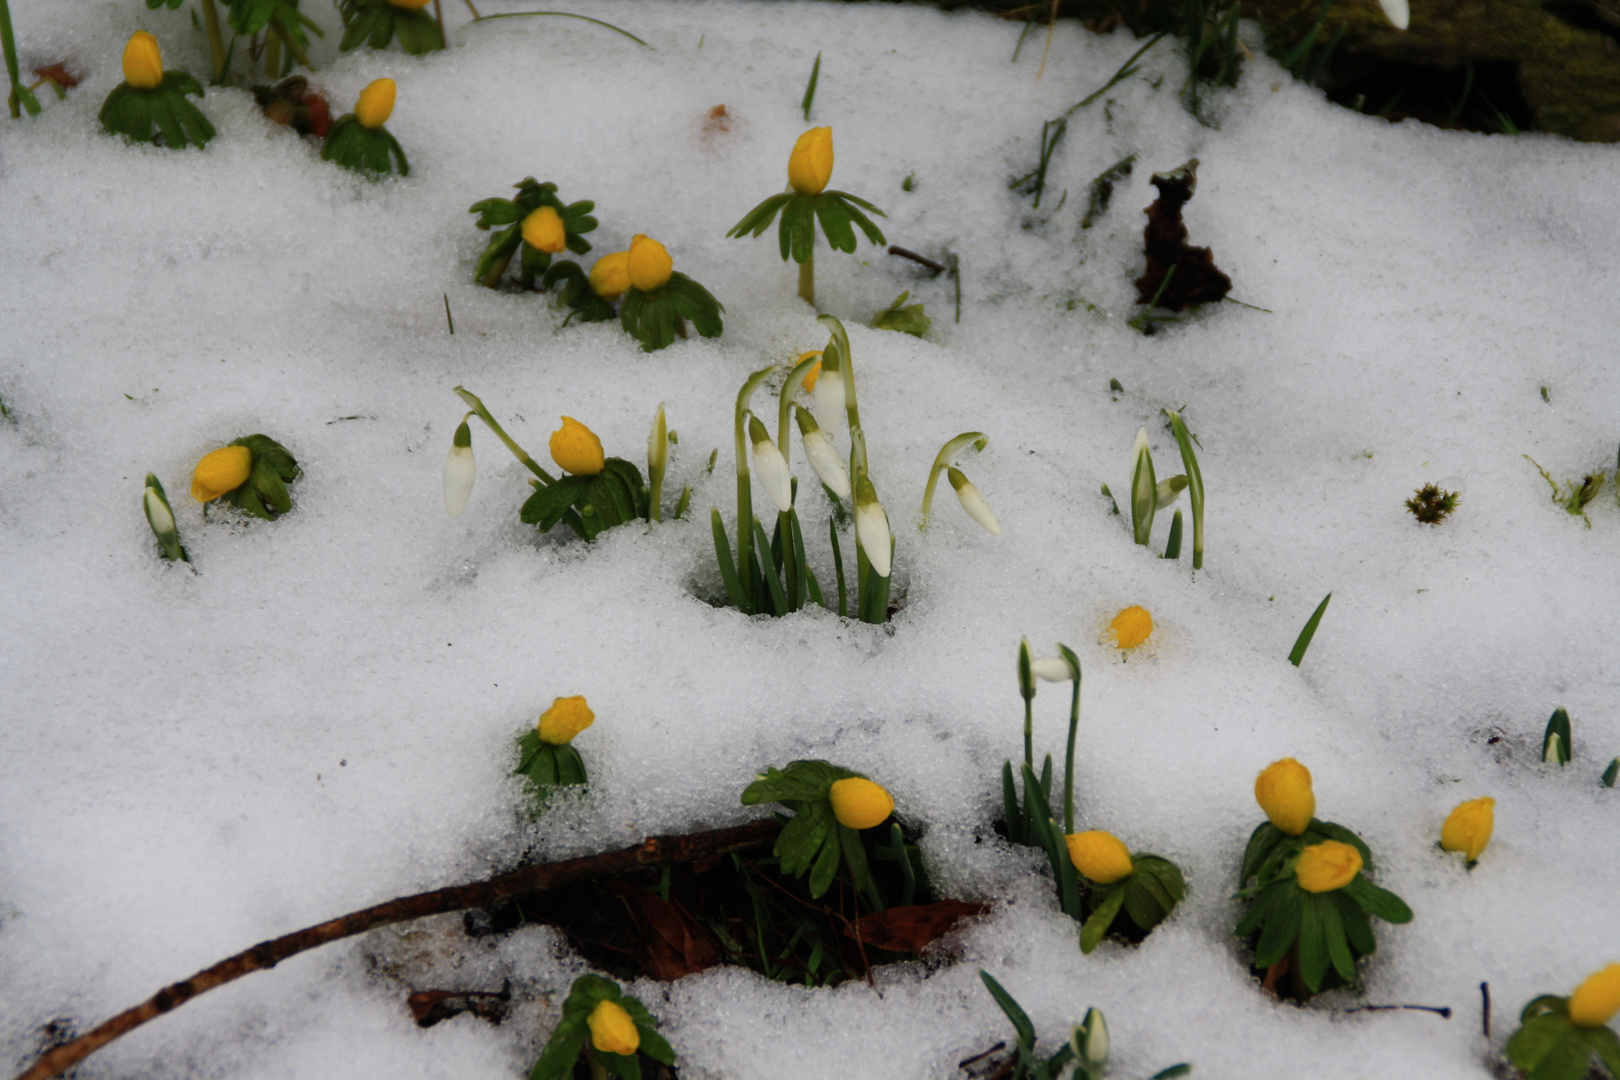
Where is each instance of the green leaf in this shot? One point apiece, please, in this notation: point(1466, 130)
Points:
point(855, 857)
point(570, 766)
point(624, 1066)
point(826, 868)
point(1011, 814)
point(1281, 929)
point(1606, 1044)
point(762, 551)
point(760, 217)
point(1358, 930)
point(1531, 1044)
point(1173, 1071)
point(1096, 927)
point(562, 1050)
point(1380, 903)
point(548, 504)
point(1020, 1019)
point(802, 838)
point(695, 303)
point(1303, 642)
point(496, 211)
point(1265, 837)
point(906, 319)
point(874, 234)
point(1333, 936)
point(418, 33)
point(1313, 952)
point(1271, 897)
point(728, 569)
point(835, 226)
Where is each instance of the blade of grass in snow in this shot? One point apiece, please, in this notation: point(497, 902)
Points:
point(564, 15)
point(1304, 640)
point(810, 90)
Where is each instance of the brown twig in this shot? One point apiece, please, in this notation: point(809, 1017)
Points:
point(896, 249)
point(654, 851)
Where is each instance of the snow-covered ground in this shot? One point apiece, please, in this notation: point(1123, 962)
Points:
point(321, 717)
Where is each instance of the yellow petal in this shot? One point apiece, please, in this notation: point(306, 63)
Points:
point(143, 61)
point(1099, 856)
point(810, 165)
point(860, 804)
point(610, 277)
point(543, 230)
point(567, 717)
point(221, 471)
point(1327, 866)
point(649, 264)
point(1596, 1000)
point(1468, 828)
point(376, 104)
point(1131, 627)
point(612, 1030)
point(1283, 790)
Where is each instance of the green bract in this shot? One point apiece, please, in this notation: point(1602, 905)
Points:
point(1314, 931)
point(589, 504)
point(576, 292)
point(368, 150)
point(652, 317)
point(1146, 896)
point(377, 22)
point(813, 840)
point(547, 767)
point(1549, 1046)
point(504, 244)
point(797, 231)
point(163, 110)
point(264, 495)
point(570, 1036)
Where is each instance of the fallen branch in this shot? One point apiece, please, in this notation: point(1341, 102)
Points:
point(654, 851)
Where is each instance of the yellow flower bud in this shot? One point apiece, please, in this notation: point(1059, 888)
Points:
point(410, 5)
point(610, 277)
point(1099, 856)
point(649, 264)
point(143, 61)
point(860, 804)
point(1468, 828)
point(1131, 627)
point(1327, 866)
point(221, 471)
point(1596, 1000)
point(567, 717)
point(576, 449)
point(612, 1030)
point(811, 163)
point(814, 373)
point(543, 230)
point(376, 104)
point(1283, 790)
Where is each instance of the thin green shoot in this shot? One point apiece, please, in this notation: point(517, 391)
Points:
point(447, 316)
point(560, 14)
point(1303, 642)
point(810, 90)
point(1572, 497)
point(1028, 26)
point(1126, 70)
point(1172, 547)
point(1195, 484)
point(1074, 728)
point(1035, 182)
point(684, 502)
point(1293, 59)
point(21, 97)
point(1147, 318)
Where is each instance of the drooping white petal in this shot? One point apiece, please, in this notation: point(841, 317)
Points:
point(459, 473)
point(1398, 12)
point(973, 502)
point(772, 469)
point(829, 394)
point(827, 463)
point(872, 530)
point(1051, 669)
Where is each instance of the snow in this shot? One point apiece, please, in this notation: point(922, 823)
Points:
point(321, 717)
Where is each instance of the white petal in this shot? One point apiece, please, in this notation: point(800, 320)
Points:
point(459, 472)
point(830, 401)
point(773, 474)
point(1168, 492)
point(978, 509)
point(1398, 13)
point(158, 514)
point(1051, 669)
point(872, 530)
point(827, 463)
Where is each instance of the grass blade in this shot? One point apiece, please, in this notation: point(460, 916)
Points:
point(1305, 635)
point(810, 90)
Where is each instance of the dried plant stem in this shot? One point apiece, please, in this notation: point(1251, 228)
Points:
point(654, 851)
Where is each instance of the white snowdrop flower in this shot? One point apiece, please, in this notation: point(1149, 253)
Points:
point(973, 502)
point(771, 466)
point(829, 394)
point(1090, 1042)
point(158, 514)
point(823, 458)
point(459, 471)
point(872, 527)
point(1398, 12)
point(1168, 491)
point(1051, 669)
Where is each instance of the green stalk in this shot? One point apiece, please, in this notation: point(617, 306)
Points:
point(1074, 727)
point(745, 493)
point(807, 280)
point(8, 40)
point(1195, 484)
point(784, 404)
point(517, 451)
point(1026, 689)
point(838, 568)
point(942, 461)
point(216, 40)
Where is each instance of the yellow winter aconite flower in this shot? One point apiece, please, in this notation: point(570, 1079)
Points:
point(1099, 856)
point(813, 374)
point(1131, 627)
point(1283, 790)
point(612, 1030)
point(860, 804)
point(543, 230)
point(376, 104)
point(649, 264)
point(1468, 828)
point(1327, 866)
point(576, 449)
point(1596, 1000)
point(221, 471)
point(610, 277)
point(143, 61)
point(567, 717)
point(811, 164)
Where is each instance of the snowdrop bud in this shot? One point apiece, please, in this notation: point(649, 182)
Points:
point(872, 527)
point(143, 61)
point(1051, 669)
point(1026, 671)
point(376, 104)
point(771, 466)
point(973, 502)
point(158, 514)
point(612, 1029)
point(1327, 866)
point(543, 230)
point(657, 443)
point(1283, 790)
point(858, 803)
point(1090, 1043)
point(1398, 12)
point(1169, 490)
point(1468, 828)
point(811, 164)
point(830, 394)
point(828, 465)
point(1595, 1001)
point(459, 471)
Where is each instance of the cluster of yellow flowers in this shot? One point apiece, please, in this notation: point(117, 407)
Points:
point(645, 265)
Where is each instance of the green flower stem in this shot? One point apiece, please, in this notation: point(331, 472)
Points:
point(784, 404)
point(807, 281)
point(8, 39)
point(216, 40)
point(1074, 727)
point(598, 1070)
point(1195, 484)
point(745, 494)
point(942, 461)
point(517, 451)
